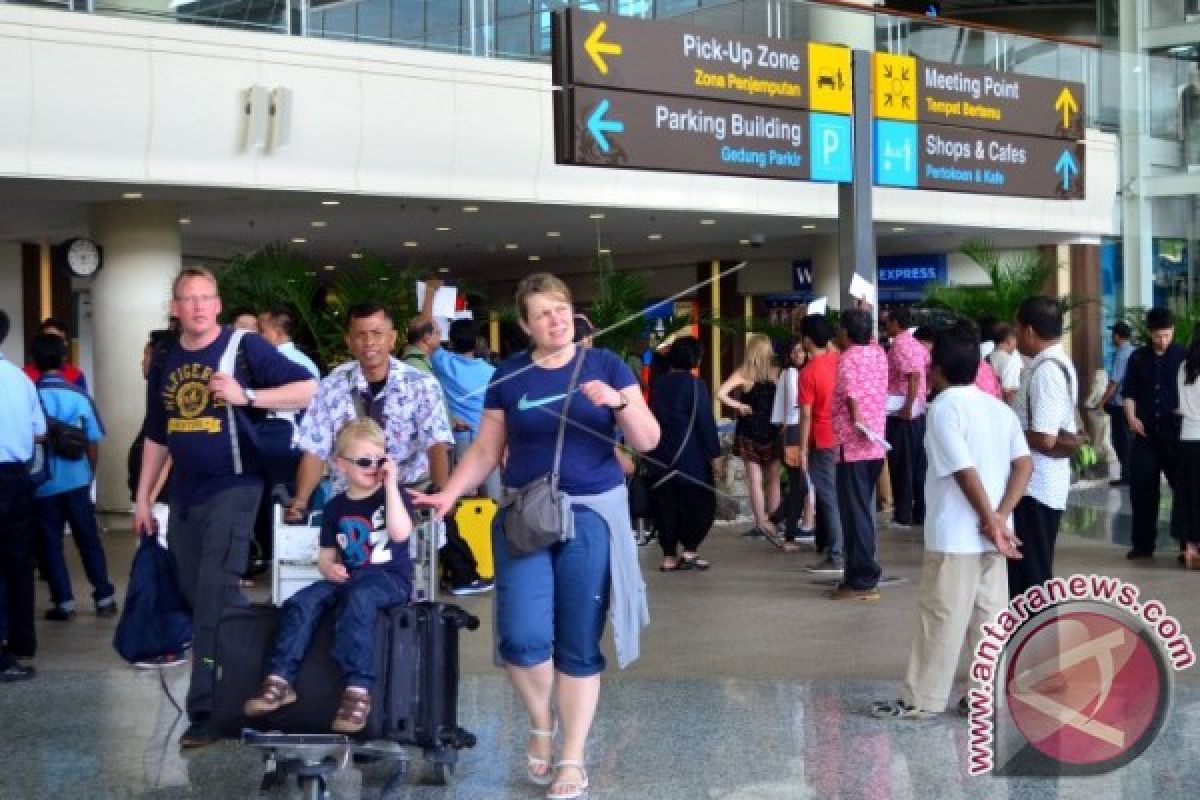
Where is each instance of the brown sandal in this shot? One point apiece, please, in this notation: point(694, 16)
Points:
point(274, 694)
point(353, 712)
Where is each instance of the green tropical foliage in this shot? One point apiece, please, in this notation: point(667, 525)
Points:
point(1185, 323)
point(1012, 279)
point(619, 310)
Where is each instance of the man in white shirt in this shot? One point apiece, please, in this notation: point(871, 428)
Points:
point(1006, 362)
point(979, 466)
point(1045, 406)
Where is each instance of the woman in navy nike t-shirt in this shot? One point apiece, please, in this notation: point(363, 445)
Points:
point(550, 605)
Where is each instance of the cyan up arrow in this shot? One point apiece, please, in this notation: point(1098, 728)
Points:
point(598, 126)
point(1066, 166)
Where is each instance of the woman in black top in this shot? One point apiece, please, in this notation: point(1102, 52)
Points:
point(685, 501)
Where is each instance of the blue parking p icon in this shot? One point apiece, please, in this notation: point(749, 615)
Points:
point(831, 141)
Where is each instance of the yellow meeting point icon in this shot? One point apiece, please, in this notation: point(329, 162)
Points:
point(1067, 105)
point(598, 49)
point(895, 86)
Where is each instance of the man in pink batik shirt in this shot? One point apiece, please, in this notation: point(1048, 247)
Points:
point(859, 416)
point(908, 364)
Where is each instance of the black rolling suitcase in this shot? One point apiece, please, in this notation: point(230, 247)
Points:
point(244, 640)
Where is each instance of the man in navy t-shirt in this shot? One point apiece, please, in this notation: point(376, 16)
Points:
point(198, 406)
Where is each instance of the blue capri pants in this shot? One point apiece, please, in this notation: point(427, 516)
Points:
point(551, 604)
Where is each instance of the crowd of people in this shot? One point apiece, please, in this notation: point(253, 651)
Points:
point(972, 436)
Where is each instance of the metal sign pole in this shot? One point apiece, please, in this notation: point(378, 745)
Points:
point(856, 231)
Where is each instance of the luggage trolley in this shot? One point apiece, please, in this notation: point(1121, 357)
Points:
point(312, 758)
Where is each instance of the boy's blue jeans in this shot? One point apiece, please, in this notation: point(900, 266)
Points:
point(73, 506)
point(358, 600)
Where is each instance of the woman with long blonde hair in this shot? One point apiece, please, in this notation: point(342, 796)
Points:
point(750, 393)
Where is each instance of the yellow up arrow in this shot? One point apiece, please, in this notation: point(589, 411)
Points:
point(597, 49)
point(1067, 105)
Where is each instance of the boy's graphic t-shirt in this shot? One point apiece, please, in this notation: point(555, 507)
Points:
point(358, 529)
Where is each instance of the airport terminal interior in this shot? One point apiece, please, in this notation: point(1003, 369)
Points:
point(346, 146)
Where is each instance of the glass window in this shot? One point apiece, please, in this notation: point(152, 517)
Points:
point(408, 20)
point(514, 37)
point(444, 24)
point(373, 20)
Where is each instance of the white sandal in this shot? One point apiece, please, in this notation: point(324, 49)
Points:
point(575, 788)
point(532, 761)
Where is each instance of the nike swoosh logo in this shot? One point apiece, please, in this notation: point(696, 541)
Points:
point(524, 404)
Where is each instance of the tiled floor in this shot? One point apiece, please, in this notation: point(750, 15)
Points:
point(752, 684)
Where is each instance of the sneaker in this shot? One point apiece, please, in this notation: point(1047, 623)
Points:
point(166, 660)
point(477, 586)
point(57, 614)
point(198, 734)
point(11, 671)
point(108, 610)
point(899, 710)
point(828, 566)
point(847, 593)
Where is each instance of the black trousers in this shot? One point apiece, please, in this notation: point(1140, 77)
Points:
point(683, 514)
point(906, 464)
point(797, 490)
point(856, 500)
point(1188, 496)
point(17, 537)
point(1119, 431)
point(1151, 457)
point(1036, 525)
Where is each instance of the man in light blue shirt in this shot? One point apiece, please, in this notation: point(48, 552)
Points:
point(67, 496)
point(464, 379)
point(276, 327)
point(1113, 402)
point(23, 422)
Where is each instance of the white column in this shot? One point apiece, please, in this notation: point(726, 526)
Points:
point(142, 254)
point(1137, 219)
point(826, 282)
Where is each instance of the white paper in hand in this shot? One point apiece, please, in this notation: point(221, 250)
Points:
point(818, 306)
point(443, 302)
point(862, 289)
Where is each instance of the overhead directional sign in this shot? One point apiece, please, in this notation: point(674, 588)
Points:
point(922, 156)
point(667, 58)
point(613, 128)
point(908, 88)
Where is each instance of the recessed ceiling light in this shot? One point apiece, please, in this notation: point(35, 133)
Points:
point(410, 244)
point(604, 251)
point(316, 223)
point(330, 267)
point(311, 274)
point(331, 202)
point(708, 222)
point(185, 220)
point(535, 258)
point(596, 215)
point(743, 241)
point(654, 236)
point(384, 278)
point(553, 234)
point(808, 227)
point(899, 228)
point(511, 246)
point(442, 228)
point(132, 195)
point(470, 209)
point(443, 269)
point(356, 255)
point(299, 240)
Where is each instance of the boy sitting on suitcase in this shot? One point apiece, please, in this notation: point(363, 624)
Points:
point(364, 560)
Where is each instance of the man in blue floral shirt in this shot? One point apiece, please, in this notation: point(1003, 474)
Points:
point(406, 403)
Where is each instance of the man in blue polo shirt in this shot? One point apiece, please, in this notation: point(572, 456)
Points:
point(67, 496)
point(23, 421)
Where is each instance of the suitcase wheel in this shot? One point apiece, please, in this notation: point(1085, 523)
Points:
point(460, 618)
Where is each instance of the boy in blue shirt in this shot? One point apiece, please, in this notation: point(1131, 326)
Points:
point(67, 497)
point(365, 564)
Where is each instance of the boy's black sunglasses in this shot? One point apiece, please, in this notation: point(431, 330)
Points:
point(367, 463)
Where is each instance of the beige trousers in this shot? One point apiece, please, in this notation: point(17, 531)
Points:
point(959, 592)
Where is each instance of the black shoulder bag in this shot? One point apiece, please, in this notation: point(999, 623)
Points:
point(670, 471)
point(538, 512)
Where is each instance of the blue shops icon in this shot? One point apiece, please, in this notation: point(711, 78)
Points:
point(598, 126)
point(895, 153)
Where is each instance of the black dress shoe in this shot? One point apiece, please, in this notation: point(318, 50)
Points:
point(1136, 555)
point(108, 610)
point(11, 671)
point(198, 734)
point(1121, 482)
point(60, 615)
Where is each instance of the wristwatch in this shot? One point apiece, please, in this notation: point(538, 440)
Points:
point(623, 406)
point(250, 396)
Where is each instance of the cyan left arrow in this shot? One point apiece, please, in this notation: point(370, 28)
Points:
point(598, 126)
point(1066, 167)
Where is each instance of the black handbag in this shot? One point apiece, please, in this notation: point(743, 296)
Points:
point(538, 513)
point(658, 479)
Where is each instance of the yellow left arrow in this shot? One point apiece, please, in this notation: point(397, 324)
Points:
point(598, 49)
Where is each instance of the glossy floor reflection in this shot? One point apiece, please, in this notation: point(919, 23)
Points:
point(752, 684)
point(112, 735)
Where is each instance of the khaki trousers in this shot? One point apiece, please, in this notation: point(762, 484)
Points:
point(959, 592)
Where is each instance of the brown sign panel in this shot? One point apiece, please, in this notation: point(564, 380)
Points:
point(948, 94)
point(669, 58)
point(984, 162)
point(607, 128)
